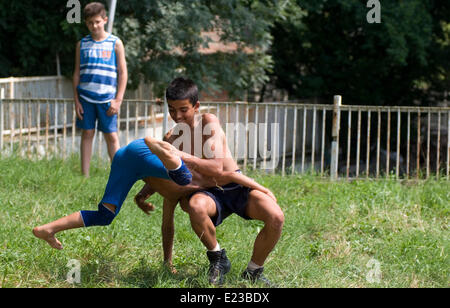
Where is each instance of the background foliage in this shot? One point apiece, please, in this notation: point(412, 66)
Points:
point(328, 47)
point(311, 48)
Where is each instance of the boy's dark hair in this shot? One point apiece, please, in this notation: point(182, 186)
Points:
point(182, 88)
point(93, 9)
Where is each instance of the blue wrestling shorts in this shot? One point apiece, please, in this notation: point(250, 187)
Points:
point(229, 199)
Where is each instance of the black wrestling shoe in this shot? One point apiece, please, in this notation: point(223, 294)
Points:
point(219, 265)
point(257, 276)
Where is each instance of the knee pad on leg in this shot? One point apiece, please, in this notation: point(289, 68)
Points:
point(182, 176)
point(102, 217)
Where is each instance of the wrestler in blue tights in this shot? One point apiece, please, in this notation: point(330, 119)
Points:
point(131, 163)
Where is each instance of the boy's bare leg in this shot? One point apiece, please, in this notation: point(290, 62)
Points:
point(87, 137)
point(112, 143)
point(164, 151)
point(261, 207)
point(47, 232)
point(200, 208)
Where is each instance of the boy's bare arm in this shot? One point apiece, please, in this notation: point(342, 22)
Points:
point(239, 178)
point(122, 78)
point(168, 230)
point(76, 81)
point(121, 70)
point(205, 178)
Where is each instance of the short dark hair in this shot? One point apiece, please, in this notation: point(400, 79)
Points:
point(93, 9)
point(182, 88)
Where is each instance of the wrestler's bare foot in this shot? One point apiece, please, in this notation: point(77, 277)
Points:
point(165, 152)
point(47, 236)
point(159, 147)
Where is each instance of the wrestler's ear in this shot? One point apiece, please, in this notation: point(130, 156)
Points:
point(196, 106)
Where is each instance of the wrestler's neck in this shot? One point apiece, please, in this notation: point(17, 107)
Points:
point(196, 122)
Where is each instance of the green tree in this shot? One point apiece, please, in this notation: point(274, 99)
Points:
point(32, 33)
point(162, 40)
point(322, 48)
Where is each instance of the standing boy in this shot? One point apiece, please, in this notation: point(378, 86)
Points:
point(99, 83)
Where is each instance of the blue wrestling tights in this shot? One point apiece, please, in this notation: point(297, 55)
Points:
point(102, 217)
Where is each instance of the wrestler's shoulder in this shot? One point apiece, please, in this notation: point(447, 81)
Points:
point(210, 118)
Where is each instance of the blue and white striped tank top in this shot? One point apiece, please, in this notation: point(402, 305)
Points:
point(98, 70)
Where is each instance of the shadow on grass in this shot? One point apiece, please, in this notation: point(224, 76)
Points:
point(146, 275)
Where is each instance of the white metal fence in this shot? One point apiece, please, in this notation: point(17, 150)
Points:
point(36, 87)
point(328, 140)
point(55, 87)
point(45, 127)
point(403, 142)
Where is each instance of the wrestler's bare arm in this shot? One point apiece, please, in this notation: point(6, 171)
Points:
point(202, 178)
point(170, 190)
point(239, 178)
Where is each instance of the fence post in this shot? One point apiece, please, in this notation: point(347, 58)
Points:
point(11, 88)
point(335, 137)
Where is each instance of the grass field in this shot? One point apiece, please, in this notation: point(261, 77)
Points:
point(337, 234)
